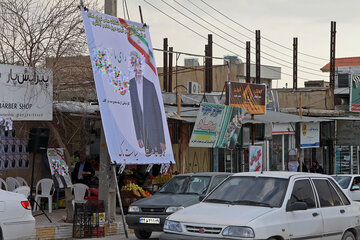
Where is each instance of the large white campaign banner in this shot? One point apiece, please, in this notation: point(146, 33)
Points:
point(25, 94)
point(128, 90)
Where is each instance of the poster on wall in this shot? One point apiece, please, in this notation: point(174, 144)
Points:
point(250, 96)
point(58, 167)
point(217, 126)
point(355, 93)
point(310, 135)
point(255, 158)
point(26, 94)
point(128, 90)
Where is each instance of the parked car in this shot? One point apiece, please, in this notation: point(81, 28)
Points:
point(148, 214)
point(16, 220)
point(269, 205)
point(350, 185)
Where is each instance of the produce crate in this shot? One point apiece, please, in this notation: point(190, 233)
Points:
point(128, 197)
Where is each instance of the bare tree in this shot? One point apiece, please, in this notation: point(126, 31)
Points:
point(32, 31)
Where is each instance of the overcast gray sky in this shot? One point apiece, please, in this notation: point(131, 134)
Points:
point(278, 20)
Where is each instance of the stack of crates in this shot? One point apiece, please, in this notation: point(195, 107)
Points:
point(89, 219)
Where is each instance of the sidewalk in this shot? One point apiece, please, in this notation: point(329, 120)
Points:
point(58, 229)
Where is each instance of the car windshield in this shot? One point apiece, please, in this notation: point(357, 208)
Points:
point(343, 181)
point(247, 190)
point(187, 185)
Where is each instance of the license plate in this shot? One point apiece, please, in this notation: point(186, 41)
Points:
point(150, 220)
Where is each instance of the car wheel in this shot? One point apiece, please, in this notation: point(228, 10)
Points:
point(1, 235)
point(348, 236)
point(140, 234)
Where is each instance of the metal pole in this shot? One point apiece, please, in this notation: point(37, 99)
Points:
point(120, 203)
point(295, 62)
point(165, 62)
point(170, 69)
point(210, 62)
point(258, 64)
point(248, 62)
point(141, 16)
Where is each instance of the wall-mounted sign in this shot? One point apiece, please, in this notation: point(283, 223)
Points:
point(25, 94)
point(252, 97)
point(355, 93)
point(310, 135)
point(347, 133)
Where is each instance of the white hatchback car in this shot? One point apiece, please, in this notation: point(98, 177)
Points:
point(350, 184)
point(269, 205)
point(16, 220)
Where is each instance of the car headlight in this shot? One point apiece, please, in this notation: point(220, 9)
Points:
point(244, 232)
point(173, 209)
point(172, 226)
point(134, 209)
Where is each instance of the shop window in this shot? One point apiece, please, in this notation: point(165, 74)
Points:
point(276, 149)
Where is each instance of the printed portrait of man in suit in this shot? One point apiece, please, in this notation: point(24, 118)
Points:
point(145, 107)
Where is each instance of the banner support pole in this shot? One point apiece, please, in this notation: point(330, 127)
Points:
point(120, 203)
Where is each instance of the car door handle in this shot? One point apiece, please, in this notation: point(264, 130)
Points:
point(315, 214)
point(342, 211)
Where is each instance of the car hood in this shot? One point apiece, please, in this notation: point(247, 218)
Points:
point(224, 214)
point(166, 199)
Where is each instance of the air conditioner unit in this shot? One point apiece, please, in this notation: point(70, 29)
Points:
point(193, 88)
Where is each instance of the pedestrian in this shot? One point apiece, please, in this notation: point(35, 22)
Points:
point(83, 171)
point(316, 168)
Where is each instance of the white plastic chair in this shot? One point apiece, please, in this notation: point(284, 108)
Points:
point(12, 183)
point(44, 189)
point(3, 185)
point(22, 181)
point(25, 190)
point(80, 191)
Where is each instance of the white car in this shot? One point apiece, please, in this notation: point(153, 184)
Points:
point(269, 205)
point(16, 220)
point(350, 185)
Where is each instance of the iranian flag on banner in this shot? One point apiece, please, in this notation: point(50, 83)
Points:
point(140, 44)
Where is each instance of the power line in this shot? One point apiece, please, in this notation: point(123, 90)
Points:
point(271, 48)
point(316, 74)
point(271, 69)
point(237, 39)
point(269, 40)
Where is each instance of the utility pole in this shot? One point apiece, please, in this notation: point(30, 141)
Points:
point(165, 62)
point(210, 63)
point(257, 35)
point(248, 62)
point(107, 183)
point(295, 63)
point(170, 68)
point(332, 57)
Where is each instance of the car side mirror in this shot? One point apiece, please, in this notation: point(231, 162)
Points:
point(201, 197)
point(355, 187)
point(295, 206)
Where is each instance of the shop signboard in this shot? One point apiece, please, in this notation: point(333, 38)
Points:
point(255, 158)
point(252, 97)
point(347, 133)
point(355, 93)
point(310, 135)
point(26, 94)
point(128, 90)
point(58, 168)
point(217, 126)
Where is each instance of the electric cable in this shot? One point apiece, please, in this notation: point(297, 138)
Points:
point(269, 40)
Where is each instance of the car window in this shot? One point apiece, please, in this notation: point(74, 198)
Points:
point(217, 180)
point(356, 181)
point(327, 194)
point(343, 181)
point(197, 185)
point(175, 185)
point(248, 190)
point(303, 192)
point(341, 193)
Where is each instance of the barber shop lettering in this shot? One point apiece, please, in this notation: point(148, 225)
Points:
point(5, 105)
